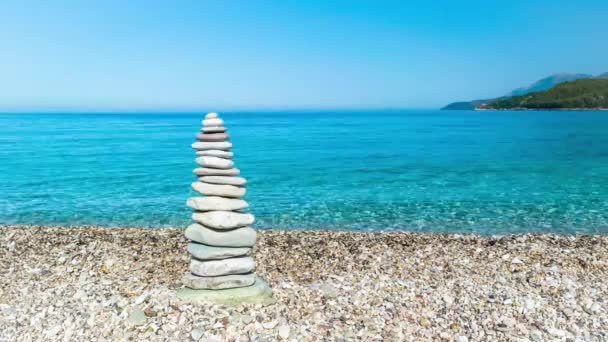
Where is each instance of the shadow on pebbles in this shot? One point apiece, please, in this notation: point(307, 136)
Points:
point(89, 283)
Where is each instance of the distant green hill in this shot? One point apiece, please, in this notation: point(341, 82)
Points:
point(584, 93)
point(540, 85)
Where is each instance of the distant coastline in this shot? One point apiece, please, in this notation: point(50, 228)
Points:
point(572, 92)
point(524, 109)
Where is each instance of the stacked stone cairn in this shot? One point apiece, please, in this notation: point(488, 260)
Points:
point(220, 239)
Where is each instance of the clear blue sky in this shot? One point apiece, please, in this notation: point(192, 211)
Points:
point(214, 55)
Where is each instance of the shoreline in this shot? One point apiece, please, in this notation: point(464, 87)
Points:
point(94, 282)
point(403, 230)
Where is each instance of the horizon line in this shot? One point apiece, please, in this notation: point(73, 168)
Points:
point(194, 111)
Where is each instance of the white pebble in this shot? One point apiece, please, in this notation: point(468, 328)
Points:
point(196, 334)
point(284, 331)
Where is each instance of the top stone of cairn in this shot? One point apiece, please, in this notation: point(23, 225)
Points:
point(212, 120)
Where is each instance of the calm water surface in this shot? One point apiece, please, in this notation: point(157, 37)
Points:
point(433, 171)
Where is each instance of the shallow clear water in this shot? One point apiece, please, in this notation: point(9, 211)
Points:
point(450, 171)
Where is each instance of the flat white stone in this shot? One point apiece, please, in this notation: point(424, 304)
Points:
point(218, 129)
point(215, 153)
point(203, 171)
point(220, 282)
point(240, 237)
point(213, 268)
point(207, 145)
point(218, 190)
point(236, 181)
point(214, 162)
point(223, 219)
point(209, 203)
point(211, 115)
point(204, 252)
point(215, 122)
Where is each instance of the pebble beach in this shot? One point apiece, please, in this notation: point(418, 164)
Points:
point(102, 284)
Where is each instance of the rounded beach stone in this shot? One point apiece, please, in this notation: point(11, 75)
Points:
point(213, 268)
point(240, 237)
point(217, 283)
point(209, 203)
point(215, 153)
point(218, 129)
point(203, 171)
point(218, 190)
point(214, 162)
point(215, 122)
point(212, 137)
point(223, 219)
point(204, 252)
point(206, 145)
point(258, 293)
point(211, 115)
point(237, 181)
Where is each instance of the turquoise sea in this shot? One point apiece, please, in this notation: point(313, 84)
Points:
point(413, 170)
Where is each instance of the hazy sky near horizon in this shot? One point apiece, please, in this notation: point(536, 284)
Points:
point(214, 55)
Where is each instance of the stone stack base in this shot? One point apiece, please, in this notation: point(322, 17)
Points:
point(258, 293)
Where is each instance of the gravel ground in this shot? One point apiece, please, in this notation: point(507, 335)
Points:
point(94, 284)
